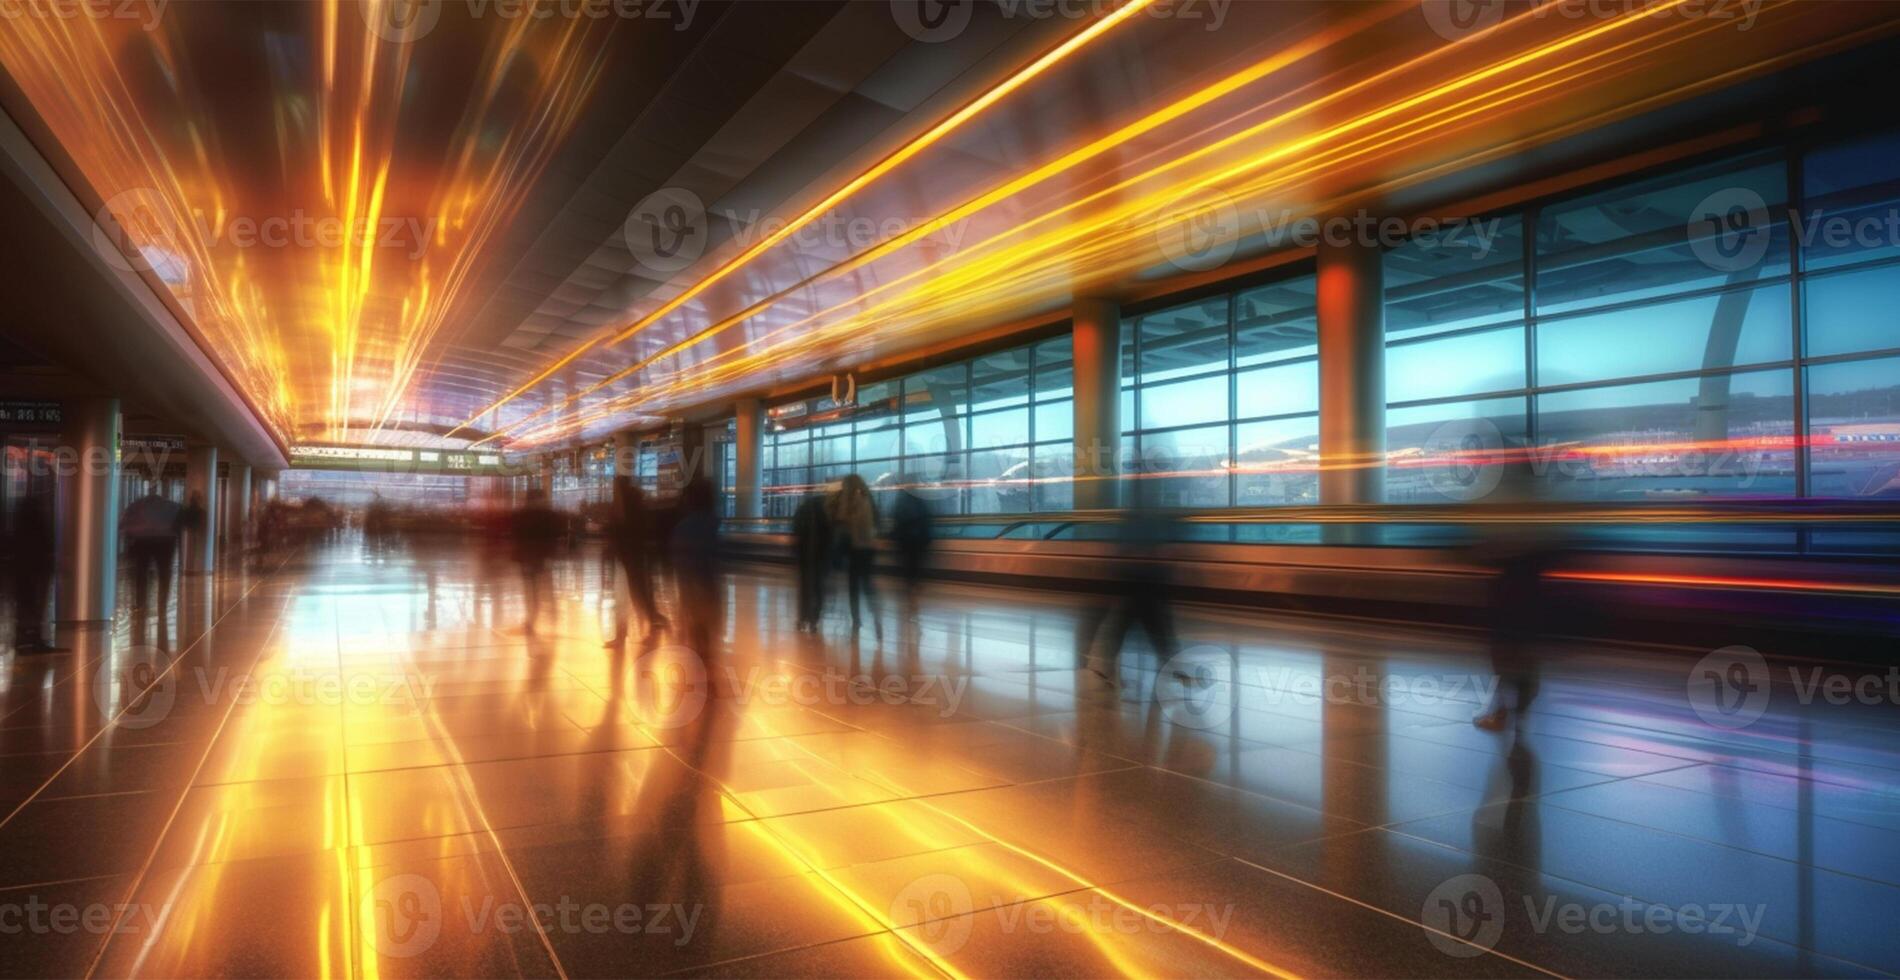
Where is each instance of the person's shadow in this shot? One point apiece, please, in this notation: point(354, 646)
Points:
point(1511, 830)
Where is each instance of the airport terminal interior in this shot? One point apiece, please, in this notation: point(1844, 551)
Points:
point(949, 488)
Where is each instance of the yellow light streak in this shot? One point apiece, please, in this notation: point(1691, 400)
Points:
point(1593, 71)
point(908, 151)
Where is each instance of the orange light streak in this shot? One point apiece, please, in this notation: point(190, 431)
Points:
point(931, 136)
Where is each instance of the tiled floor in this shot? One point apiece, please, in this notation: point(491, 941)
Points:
point(359, 765)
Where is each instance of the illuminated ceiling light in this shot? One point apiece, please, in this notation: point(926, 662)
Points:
point(943, 128)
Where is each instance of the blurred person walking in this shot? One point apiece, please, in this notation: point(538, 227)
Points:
point(630, 536)
point(1141, 597)
point(1519, 556)
point(694, 545)
point(911, 534)
point(854, 518)
point(811, 551)
point(152, 525)
point(537, 533)
point(33, 565)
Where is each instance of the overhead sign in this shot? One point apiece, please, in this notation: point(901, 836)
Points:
point(384, 459)
point(15, 411)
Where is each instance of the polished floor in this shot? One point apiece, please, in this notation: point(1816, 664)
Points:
point(356, 763)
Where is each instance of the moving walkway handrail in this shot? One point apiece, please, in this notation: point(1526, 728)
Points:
point(1805, 512)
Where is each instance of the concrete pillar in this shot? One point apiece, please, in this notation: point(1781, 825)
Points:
point(237, 510)
point(201, 486)
point(748, 449)
point(88, 519)
point(1351, 374)
point(544, 477)
point(1098, 403)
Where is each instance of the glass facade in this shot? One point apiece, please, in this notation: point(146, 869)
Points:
point(1727, 328)
point(1220, 401)
point(1717, 330)
point(989, 435)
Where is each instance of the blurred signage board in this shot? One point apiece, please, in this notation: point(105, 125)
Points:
point(17, 412)
point(384, 459)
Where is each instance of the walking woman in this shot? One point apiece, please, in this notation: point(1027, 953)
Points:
point(854, 519)
point(631, 539)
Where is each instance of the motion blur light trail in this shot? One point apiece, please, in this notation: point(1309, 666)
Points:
point(943, 128)
point(319, 276)
point(1290, 137)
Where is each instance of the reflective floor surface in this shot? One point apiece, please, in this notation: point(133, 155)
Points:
point(358, 764)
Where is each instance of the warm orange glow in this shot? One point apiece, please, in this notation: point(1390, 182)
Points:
point(1273, 142)
point(910, 150)
point(320, 281)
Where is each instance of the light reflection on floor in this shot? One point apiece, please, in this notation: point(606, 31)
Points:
point(357, 764)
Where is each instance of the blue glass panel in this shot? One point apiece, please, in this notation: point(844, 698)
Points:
point(1283, 389)
point(1277, 462)
point(1465, 364)
point(1705, 333)
point(1851, 202)
point(1670, 439)
point(1722, 224)
point(1853, 311)
point(1854, 428)
point(1184, 402)
point(1466, 276)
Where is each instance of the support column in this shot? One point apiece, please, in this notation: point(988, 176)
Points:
point(1098, 402)
point(1351, 374)
point(237, 510)
point(545, 477)
point(749, 448)
point(201, 490)
point(88, 519)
